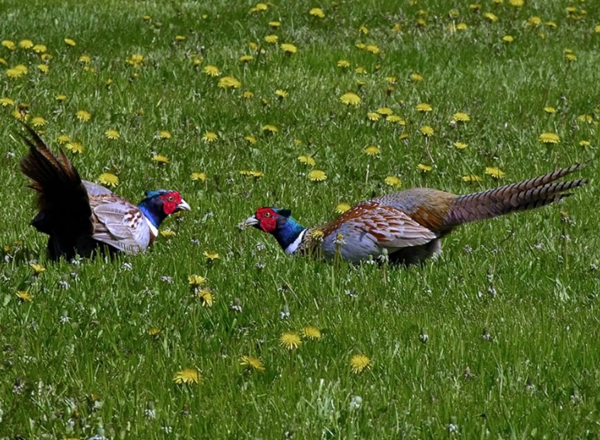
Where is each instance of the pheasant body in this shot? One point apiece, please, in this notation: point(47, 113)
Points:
point(408, 225)
point(81, 216)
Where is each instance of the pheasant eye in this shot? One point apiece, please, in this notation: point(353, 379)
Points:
point(267, 214)
point(171, 198)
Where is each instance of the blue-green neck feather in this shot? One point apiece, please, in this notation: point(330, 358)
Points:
point(287, 232)
point(152, 207)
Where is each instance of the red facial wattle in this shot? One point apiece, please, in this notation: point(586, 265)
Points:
point(170, 201)
point(267, 219)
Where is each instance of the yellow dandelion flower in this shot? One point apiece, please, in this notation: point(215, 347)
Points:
point(211, 255)
point(44, 68)
point(550, 110)
point(84, 115)
point(20, 115)
point(252, 173)
point(10, 45)
point(421, 22)
point(196, 280)
point(159, 158)
point(108, 179)
point(416, 77)
point(534, 21)
point(25, 44)
point(247, 94)
point(187, 376)
point(307, 160)
point(259, 7)
point(359, 363)
point(471, 178)
point(246, 58)
point(281, 93)
point(289, 48)
point(584, 143)
point(206, 297)
point(508, 39)
point(167, 233)
point(360, 70)
point(250, 139)
point(403, 136)
point(551, 24)
point(136, 60)
point(290, 340)
point(385, 111)
point(317, 176)
point(252, 363)
point(269, 128)
point(210, 137)
point(343, 64)
point(549, 138)
point(495, 172)
point(180, 38)
point(372, 116)
point(37, 268)
point(397, 28)
point(46, 57)
point(342, 207)
point(38, 121)
point(395, 119)
point(317, 12)
point(424, 168)
point(112, 134)
point(461, 117)
point(15, 73)
point(197, 60)
point(154, 331)
point(372, 48)
point(199, 176)
point(63, 139)
point(311, 332)
point(571, 57)
point(426, 131)
point(424, 107)
point(393, 181)
point(363, 30)
point(460, 145)
point(350, 99)
point(492, 18)
point(585, 118)
point(211, 70)
point(60, 98)
point(70, 42)
point(461, 27)
point(597, 29)
point(271, 39)
point(164, 135)
point(74, 147)
point(24, 296)
point(6, 102)
point(229, 82)
point(372, 151)
point(516, 3)
point(85, 59)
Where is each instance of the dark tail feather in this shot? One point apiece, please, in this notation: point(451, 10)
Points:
point(521, 196)
point(65, 212)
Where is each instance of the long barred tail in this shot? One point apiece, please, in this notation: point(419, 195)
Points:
point(64, 205)
point(521, 196)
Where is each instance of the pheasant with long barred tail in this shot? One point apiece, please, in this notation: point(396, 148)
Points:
point(81, 216)
point(408, 225)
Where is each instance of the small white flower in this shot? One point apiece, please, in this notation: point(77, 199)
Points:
point(355, 403)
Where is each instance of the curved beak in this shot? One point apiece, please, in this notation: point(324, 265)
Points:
point(251, 221)
point(183, 206)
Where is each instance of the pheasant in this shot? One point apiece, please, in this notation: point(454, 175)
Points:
point(80, 216)
point(408, 225)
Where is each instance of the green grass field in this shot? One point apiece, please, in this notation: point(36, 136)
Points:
point(496, 339)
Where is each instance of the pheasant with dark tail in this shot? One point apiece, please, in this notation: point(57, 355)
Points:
point(80, 216)
point(408, 226)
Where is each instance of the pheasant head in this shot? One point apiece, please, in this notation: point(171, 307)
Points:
point(160, 203)
point(280, 224)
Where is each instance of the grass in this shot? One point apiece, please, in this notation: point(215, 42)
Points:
point(510, 309)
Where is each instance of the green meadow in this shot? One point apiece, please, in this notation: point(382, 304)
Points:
point(311, 106)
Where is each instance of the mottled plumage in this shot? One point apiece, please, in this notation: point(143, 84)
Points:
point(80, 216)
point(408, 225)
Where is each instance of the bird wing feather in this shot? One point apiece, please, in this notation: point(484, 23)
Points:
point(369, 228)
point(119, 223)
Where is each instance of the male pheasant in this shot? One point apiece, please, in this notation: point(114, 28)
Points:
point(408, 225)
point(80, 216)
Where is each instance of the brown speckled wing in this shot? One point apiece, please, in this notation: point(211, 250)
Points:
point(369, 228)
point(119, 223)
